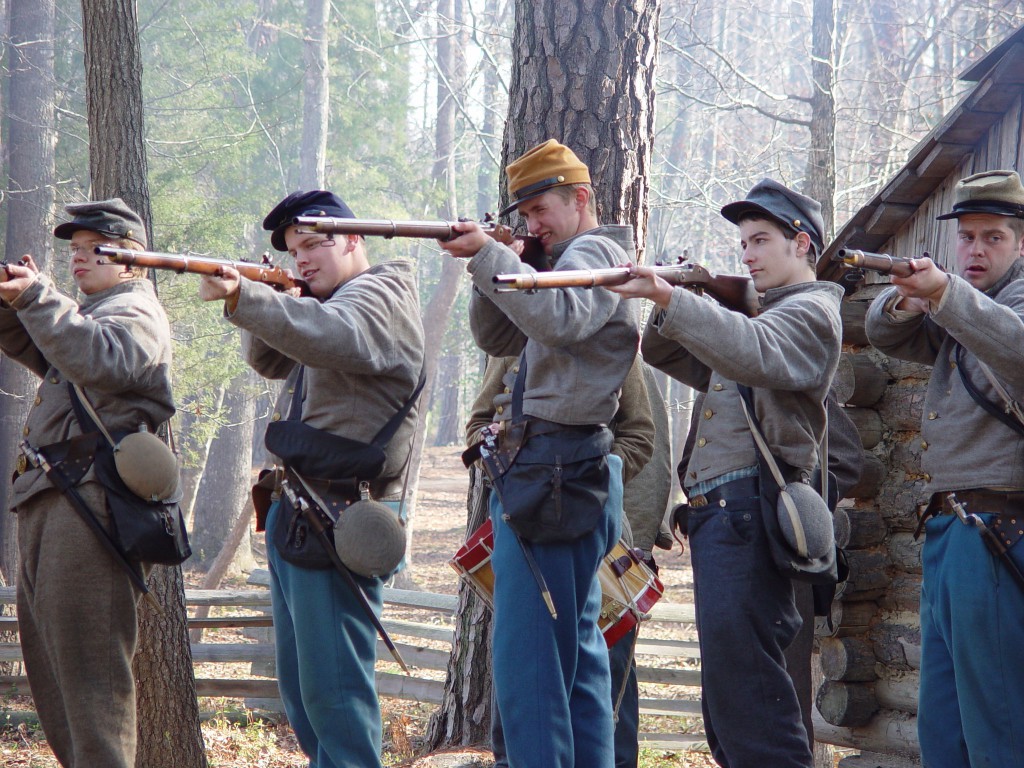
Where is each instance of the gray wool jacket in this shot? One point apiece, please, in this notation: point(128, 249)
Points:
point(362, 348)
point(963, 446)
point(115, 344)
point(579, 342)
point(788, 355)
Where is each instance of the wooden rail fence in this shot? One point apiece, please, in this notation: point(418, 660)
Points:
point(669, 667)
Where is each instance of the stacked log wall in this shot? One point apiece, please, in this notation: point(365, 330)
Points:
point(870, 657)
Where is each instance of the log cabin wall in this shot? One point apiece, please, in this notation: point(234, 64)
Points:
point(871, 660)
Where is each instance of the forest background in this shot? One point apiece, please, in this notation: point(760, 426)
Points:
point(826, 96)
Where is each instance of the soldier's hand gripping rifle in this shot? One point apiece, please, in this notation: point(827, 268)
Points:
point(263, 272)
point(877, 262)
point(532, 253)
point(734, 292)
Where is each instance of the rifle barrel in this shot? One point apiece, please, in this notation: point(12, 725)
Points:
point(876, 262)
point(733, 291)
point(201, 265)
point(386, 228)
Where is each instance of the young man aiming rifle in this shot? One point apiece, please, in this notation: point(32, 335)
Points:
point(786, 356)
point(558, 500)
point(76, 604)
point(351, 355)
point(969, 325)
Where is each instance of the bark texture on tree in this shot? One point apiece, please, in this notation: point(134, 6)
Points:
point(584, 75)
point(223, 492)
point(30, 184)
point(821, 160)
point(464, 717)
point(168, 711)
point(113, 93)
point(315, 96)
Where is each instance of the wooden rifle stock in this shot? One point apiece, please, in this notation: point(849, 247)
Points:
point(734, 292)
point(264, 272)
point(877, 262)
point(533, 252)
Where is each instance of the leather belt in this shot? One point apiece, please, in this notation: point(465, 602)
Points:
point(741, 488)
point(535, 427)
point(979, 501)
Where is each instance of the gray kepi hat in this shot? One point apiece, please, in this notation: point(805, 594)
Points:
point(994, 192)
point(791, 210)
point(111, 218)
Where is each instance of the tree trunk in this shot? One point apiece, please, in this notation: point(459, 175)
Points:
point(821, 158)
point(168, 712)
point(604, 111)
point(450, 76)
point(464, 719)
point(30, 184)
point(224, 488)
point(315, 96)
point(449, 423)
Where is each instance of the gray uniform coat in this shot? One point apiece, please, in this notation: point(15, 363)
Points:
point(579, 342)
point(965, 446)
point(787, 354)
point(116, 345)
point(362, 348)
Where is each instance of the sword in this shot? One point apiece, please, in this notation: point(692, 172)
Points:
point(299, 503)
point(992, 542)
point(59, 479)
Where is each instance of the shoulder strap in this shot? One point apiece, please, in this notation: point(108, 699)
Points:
point(88, 420)
point(747, 401)
point(383, 437)
point(987, 405)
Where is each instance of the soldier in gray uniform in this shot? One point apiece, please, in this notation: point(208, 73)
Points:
point(787, 355)
point(642, 442)
point(969, 325)
point(357, 342)
point(558, 505)
point(76, 607)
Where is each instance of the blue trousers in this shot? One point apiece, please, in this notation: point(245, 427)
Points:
point(551, 677)
point(326, 649)
point(627, 724)
point(972, 652)
point(746, 618)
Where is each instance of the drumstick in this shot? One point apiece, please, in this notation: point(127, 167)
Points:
point(537, 575)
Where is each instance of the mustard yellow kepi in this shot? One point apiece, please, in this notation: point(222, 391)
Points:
point(545, 166)
point(995, 192)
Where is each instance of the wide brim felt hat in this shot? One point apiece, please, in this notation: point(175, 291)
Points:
point(791, 210)
point(111, 218)
point(540, 169)
point(318, 202)
point(999, 193)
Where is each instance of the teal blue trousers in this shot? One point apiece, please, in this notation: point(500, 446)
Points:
point(326, 649)
point(971, 706)
point(551, 676)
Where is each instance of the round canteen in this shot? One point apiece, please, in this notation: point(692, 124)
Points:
point(370, 538)
point(147, 466)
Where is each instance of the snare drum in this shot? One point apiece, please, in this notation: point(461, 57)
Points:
point(628, 587)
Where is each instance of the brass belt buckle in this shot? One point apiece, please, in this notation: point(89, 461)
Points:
point(22, 464)
point(700, 500)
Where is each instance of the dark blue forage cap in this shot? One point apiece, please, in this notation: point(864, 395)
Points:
point(319, 202)
point(795, 212)
point(111, 218)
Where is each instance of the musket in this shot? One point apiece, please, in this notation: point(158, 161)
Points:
point(5, 273)
point(877, 262)
point(263, 272)
point(734, 292)
point(533, 252)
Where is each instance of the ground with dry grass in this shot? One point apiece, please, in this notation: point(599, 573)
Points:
point(237, 739)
